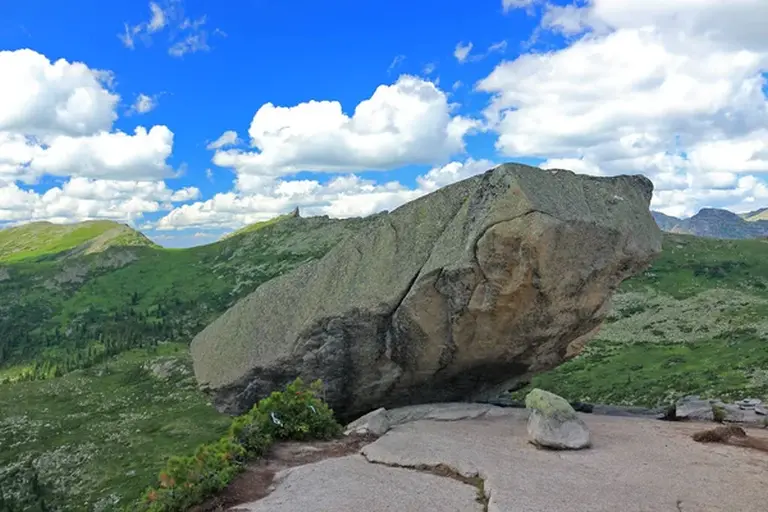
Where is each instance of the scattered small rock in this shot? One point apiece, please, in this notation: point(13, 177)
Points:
point(164, 369)
point(692, 407)
point(748, 403)
point(553, 423)
point(748, 410)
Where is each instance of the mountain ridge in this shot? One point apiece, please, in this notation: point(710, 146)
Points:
point(759, 214)
point(716, 223)
point(48, 240)
point(708, 222)
point(71, 304)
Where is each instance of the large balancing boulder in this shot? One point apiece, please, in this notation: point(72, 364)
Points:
point(457, 295)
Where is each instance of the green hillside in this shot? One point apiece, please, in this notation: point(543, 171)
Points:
point(256, 226)
point(57, 314)
point(43, 239)
point(761, 214)
point(695, 323)
point(96, 438)
point(99, 390)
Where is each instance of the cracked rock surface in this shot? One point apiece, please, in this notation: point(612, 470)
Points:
point(351, 484)
point(457, 295)
point(634, 465)
point(444, 463)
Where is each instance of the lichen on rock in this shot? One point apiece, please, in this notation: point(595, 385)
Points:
point(553, 423)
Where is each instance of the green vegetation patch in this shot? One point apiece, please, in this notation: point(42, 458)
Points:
point(96, 439)
point(41, 239)
point(67, 314)
point(297, 414)
point(689, 265)
point(730, 367)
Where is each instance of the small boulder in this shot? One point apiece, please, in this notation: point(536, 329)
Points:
point(749, 404)
point(375, 422)
point(693, 408)
point(164, 368)
point(553, 423)
point(733, 413)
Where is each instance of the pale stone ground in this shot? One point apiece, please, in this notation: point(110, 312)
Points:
point(634, 465)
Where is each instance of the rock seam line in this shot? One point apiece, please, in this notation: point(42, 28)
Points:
point(444, 470)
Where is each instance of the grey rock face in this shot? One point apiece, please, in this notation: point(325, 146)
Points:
point(747, 410)
point(457, 295)
point(375, 422)
point(693, 408)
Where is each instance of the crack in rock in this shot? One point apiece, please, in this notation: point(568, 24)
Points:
point(444, 470)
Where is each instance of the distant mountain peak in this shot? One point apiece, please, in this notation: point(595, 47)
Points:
point(715, 213)
point(256, 226)
point(46, 239)
point(716, 223)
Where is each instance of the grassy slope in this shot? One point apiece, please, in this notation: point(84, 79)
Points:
point(761, 214)
point(41, 239)
point(100, 435)
point(53, 308)
point(696, 322)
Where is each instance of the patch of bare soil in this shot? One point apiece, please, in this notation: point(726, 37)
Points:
point(731, 434)
point(255, 482)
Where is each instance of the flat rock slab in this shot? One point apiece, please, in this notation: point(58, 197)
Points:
point(634, 465)
point(450, 411)
point(352, 484)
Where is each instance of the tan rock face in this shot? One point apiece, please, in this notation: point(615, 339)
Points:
point(457, 295)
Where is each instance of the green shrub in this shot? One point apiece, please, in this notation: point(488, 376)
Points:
point(187, 481)
point(718, 413)
point(249, 432)
point(294, 414)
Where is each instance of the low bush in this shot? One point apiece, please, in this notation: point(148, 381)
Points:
point(718, 413)
point(297, 413)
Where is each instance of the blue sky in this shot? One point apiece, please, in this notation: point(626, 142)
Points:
point(599, 86)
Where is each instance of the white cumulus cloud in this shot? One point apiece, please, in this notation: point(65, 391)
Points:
point(672, 89)
point(143, 104)
point(228, 138)
point(56, 119)
point(462, 51)
point(343, 196)
point(408, 122)
point(41, 98)
point(81, 199)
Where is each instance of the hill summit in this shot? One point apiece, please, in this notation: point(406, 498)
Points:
point(45, 239)
point(716, 223)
